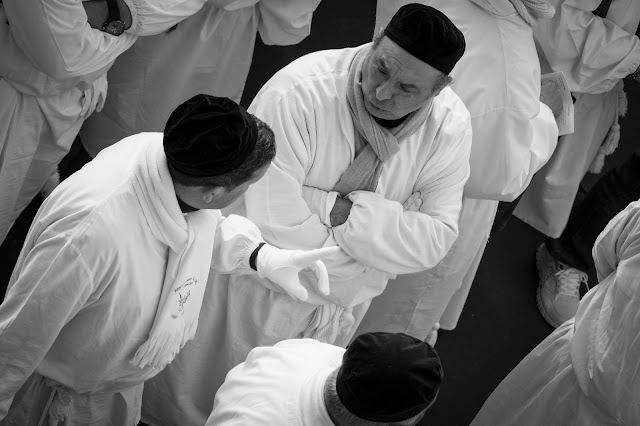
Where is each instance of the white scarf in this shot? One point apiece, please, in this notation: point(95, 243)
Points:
point(190, 240)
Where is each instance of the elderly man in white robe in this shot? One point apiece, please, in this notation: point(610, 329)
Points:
point(586, 372)
point(359, 131)
point(111, 278)
point(145, 84)
point(382, 378)
point(514, 134)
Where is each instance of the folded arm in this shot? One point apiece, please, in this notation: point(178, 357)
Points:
point(594, 53)
point(381, 234)
point(56, 37)
point(51, 286)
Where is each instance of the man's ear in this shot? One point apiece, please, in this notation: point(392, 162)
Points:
point(212, 193)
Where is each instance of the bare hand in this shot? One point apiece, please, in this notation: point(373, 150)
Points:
point(340, 211)
point(98, 13)
point(413, 203)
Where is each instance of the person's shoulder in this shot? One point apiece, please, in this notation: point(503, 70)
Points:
point(448, 105)
point(312, 70)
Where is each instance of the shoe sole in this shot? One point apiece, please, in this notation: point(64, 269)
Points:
point(541, 308)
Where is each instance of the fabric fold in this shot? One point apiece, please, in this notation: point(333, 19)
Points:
point(190, 238)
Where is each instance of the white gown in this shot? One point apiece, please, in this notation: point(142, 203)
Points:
point(278, 385)
point(586, 372)
point(498, 79)
point(158, 73)
point(594, 54)
point(50, 82)
point(84, 294)
point(306, 105)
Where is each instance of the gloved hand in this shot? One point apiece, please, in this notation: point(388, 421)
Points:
point(413, 203)
point(282, 267)
point(93, 99)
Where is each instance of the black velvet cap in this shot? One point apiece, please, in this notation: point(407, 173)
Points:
point(209, 136)
point(388, 377)
point(428, 35)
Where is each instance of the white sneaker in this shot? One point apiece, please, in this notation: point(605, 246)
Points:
point(558, 294)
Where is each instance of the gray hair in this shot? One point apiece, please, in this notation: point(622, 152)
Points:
point(441, 82)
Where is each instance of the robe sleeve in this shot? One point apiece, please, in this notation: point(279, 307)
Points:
point(320, 202)
point(57, 39)
point(275, 203)
point(614, 381)
point(379, 233)
point(285, 22)
point(235, 240)
point(519, 143)
point(592, 52)
point(52, 285)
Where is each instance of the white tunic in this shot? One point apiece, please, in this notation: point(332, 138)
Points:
point(594, 54)
point(305, 104)
point(278, 385)
point(498, 79)
point(586, 372)
point(50, 58)
point(158, 73)
point(85, 290)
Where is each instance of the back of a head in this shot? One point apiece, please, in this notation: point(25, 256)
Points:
point(388, 377)
point(213, 141)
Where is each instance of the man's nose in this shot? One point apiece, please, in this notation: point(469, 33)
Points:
point(383, 91)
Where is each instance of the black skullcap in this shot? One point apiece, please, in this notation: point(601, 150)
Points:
point(428, 35)
point(388, 377)
point(209, 136)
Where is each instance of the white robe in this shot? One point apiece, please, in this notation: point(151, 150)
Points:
point(50, 60)
point(158, 73)
point(305, 104)
point(594, 54)
point(586, 372)
point(84, 294)
point(278, 385)
point(498, 79)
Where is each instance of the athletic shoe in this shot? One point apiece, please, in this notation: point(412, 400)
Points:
point(558, 294)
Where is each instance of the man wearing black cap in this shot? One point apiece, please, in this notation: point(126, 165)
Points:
point(110, 282)
point(381, 378)
point(359, 131)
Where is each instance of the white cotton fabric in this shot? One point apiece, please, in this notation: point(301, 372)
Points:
point(594, 54)
point(305, 104)
point(146, 85)
point(86, 289)
point(51, 78)
point(586, 372)
point(498, 79)
point(278, 385)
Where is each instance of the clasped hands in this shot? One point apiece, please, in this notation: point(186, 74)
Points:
point(342, 208)
point(282, 266)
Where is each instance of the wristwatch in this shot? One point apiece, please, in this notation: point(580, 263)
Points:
point(114, 25)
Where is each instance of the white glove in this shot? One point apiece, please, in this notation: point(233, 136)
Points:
point(413, 203)
point(282, 267)
point(93, 98)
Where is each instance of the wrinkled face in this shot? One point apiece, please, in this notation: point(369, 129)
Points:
point(394, 82)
